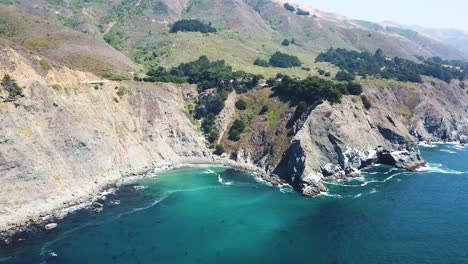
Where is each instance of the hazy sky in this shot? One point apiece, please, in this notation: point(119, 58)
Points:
point(428, 13)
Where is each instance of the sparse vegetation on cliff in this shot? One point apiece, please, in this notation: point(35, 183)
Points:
point(9, 84)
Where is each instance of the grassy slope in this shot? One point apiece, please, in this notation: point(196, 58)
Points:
point(265, 133)
point(247, 29)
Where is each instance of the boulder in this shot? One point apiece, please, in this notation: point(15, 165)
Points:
point(331, 169)
point(464, 139)
point(403, 159)
point(50, 226)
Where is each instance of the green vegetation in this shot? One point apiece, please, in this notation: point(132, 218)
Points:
point(219, 150)
point(264, 109)
point(344, 76)
point(114, 38)
point(283, 60)
point(237, 128)
point(365, 63)
point(289, 7)
point(366, 102)
point(192, 25)
point(9, 84)
point(241, 104)
point(312, 90)
point(45, 65)
point(122, 90)
point(7, 2)
point(285, 42)
point(215, 75)
point(301, 12)
point(261, 63)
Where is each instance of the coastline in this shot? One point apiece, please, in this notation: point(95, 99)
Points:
point(39, 220)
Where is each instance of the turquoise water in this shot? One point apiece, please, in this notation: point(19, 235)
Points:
point(224, 216)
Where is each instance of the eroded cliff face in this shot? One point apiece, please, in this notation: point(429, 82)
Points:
point(335, 141)
point(66, 139)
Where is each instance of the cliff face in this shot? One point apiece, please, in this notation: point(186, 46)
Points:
point(61, 143)
point(337, 140)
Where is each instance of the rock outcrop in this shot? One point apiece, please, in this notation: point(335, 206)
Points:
point(337, 141)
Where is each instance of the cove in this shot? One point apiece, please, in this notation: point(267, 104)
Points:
point(218, 215)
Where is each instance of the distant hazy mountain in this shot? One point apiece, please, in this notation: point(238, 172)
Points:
point(454, 37)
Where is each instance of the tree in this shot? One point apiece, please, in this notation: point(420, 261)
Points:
point(301, 12)
point(344, 76)
point(192, 25)
point(236, 129)
point(219, 150)
point(289, 7)
point(282, 60)
point(354, 88)
point(261, 63)
point(241, 104)
point(285, 42)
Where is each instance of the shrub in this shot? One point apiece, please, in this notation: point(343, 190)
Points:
point(122, 90)
point(45, 65)
point(10, 85)
point(285, 42)
point(282, 60)
point(219, 150)
point(261, 63)
point(366, 102)
point(213, 136)
point(192, 25)
point(241, 104)
point(264, 109)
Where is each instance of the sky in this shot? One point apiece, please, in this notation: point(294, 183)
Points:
point(426, 13)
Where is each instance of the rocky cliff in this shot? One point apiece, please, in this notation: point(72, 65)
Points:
point(335, 141)
point(66, 139)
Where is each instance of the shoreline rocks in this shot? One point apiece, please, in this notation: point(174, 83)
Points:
point(50, 226)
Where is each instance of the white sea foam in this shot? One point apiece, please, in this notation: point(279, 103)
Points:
point(448, 151)
point(373, 191)
point(358, 195)
point(427, 145)
point(327, 194)
point(285, 188)
point(209, 171)
point(438, 168)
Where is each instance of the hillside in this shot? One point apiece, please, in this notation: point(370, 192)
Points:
point(246, 30)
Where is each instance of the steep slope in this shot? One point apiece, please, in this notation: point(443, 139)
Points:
point(67, 139)
point(62, 45)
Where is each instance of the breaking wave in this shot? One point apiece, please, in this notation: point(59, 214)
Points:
point(448, 151)
point(438, 168)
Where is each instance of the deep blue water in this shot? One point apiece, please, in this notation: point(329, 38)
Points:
point(223, 216)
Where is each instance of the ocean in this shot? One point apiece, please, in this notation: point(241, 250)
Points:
point(219, 215)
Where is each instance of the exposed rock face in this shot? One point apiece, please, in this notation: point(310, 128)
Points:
point(60, 145)
point(336, 141)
